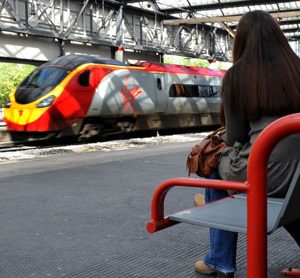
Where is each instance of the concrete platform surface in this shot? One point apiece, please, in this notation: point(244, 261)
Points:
point(84, 216)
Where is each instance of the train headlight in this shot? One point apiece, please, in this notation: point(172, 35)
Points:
point(46, 102)
point(7, 104)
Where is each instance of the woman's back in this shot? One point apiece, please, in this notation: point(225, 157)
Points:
point(262, 85)
point(282, 162)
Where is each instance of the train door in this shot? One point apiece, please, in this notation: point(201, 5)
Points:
point(85, 81)
point(161, 94)
point(81, 89)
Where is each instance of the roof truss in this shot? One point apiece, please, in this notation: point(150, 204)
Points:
point(233, 18)
point(186, 12)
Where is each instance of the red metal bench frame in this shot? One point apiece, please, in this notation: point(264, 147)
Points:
point(256, 190)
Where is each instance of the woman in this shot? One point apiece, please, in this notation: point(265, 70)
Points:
point(262, 85)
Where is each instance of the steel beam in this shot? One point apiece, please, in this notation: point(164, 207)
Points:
point(91, 23)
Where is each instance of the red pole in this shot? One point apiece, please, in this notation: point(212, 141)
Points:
point(256, 187)
point(257, 192)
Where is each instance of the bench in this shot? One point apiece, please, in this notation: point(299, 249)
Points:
point(254, 213)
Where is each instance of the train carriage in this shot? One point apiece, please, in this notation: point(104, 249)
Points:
point(84, 96)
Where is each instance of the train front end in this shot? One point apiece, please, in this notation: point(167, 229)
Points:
point(29, 107)
point(52, 101)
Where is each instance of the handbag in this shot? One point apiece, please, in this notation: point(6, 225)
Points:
point(204, 157)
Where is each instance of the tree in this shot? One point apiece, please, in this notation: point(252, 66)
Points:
point(11, 75)
point(186, 61)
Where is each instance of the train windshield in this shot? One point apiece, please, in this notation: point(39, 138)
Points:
point(39, 83)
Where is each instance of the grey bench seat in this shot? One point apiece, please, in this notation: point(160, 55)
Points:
point(230, 213)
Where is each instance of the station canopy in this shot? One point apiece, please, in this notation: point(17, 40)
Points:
point(224, 13)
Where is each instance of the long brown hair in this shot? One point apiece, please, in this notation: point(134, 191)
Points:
point(265, 76)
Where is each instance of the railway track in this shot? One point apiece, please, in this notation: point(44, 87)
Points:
point(10, 151)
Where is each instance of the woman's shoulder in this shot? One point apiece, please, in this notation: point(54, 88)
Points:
point(263, 121)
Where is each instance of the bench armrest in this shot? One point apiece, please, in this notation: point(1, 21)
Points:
point(159, 221)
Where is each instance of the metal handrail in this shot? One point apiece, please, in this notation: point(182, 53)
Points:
point(255, 186)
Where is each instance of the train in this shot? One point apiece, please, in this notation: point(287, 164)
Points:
point(85, 96)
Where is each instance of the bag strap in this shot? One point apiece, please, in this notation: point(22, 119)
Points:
point(219, 130)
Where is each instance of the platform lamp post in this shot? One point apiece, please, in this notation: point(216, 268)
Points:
point(119, 54)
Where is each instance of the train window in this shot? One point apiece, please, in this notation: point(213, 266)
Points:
point(40, 82)
point(158, 84)
point(209, 91)
point(43, 77)
point(183, 90)
point(176, 90)
point(216, 91)
point(84, 78)
point(204, 90)
point(187, 90)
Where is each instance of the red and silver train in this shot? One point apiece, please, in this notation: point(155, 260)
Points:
point(84, 96)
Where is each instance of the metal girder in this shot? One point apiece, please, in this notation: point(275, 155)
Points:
point(130, 31)
point(67, 33)
point(44, 14)
point(140, 11)
point(10, 9)
point(220, 19)
point(228, 29)
point(105, 20)
point(223, 5)
point(95, 23)
point(2, 5)
point(134, 1)
point(289, 21)
point(282, 23)
point(235, 18)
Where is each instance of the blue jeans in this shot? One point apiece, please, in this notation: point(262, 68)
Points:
point(223, 244)
point(294, 230)
point(222, 253)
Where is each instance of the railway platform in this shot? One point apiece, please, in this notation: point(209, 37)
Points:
point(84, 216)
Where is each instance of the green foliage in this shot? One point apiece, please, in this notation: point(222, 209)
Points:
point(180, 60)
point(11, 75)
